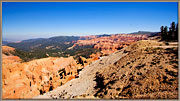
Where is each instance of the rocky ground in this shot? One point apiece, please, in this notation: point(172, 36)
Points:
point(145, 69)
point(147, 72)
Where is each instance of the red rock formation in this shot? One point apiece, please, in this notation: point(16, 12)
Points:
point(25, 80)
point(8, 56)
point(110, 44)
point(29, 79)
point(95, 56)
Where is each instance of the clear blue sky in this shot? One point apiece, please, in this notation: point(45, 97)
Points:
point(46, 19)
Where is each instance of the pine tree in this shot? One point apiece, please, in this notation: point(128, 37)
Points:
point(173, 30)
point(176, 32)
point(162, 32)
point(165, 33)
point(170, 33)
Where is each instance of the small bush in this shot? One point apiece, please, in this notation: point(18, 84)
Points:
point(99, 80)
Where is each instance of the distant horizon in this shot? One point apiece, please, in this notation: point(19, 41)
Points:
point(30, 20)
point(11, 40)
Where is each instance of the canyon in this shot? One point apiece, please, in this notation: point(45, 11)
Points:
point(29, 79)
point(118, 62)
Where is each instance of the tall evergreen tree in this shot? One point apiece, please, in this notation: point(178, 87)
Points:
point(170, 33)
point(162, 32)
point(173, 30)
point(166, 33)
point(176, 32)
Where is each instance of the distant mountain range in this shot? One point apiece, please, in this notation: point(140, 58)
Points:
point(103, 35)
point(42, 43)
point(31, 40)
point(57, 41)
point(145, 32)
point(54, 46)
point(4, 42)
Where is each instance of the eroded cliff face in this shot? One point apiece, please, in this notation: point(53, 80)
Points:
point(25, 80)
point(110, 44)
point(29, 79)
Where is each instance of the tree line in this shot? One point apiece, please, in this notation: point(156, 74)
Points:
point(171, 34)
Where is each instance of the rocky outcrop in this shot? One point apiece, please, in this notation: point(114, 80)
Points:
point(7, 55)
point(8, 50)
point(96, 56)
point(25, 80)
point(110, 44)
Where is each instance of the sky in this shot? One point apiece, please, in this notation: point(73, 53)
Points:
point(27, 20)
